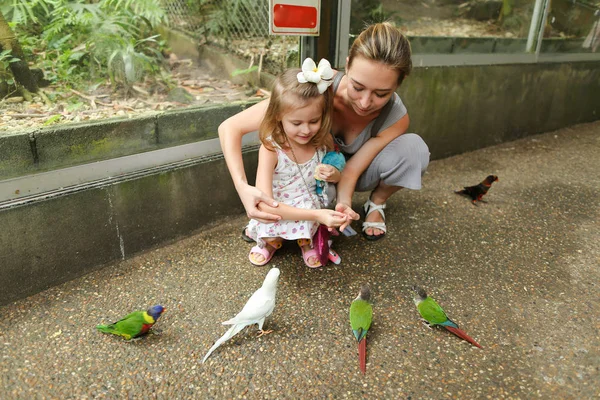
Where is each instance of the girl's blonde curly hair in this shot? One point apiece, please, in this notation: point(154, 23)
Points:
point(288, 94)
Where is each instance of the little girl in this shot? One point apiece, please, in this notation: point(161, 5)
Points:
point(295, 135)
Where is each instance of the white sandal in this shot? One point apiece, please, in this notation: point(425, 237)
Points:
point(368, 208)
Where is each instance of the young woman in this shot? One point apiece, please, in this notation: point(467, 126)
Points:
point(369, 125)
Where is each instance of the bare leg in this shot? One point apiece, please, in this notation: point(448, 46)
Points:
point(379, 196)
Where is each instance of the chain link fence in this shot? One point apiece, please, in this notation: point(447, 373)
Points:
point(238, 26)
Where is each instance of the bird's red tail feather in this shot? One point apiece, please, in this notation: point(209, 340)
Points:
point(362, 355)
point(463, 335)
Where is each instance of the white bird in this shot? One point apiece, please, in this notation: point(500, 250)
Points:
point(259, 306)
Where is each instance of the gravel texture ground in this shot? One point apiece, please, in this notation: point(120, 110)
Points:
point(518, 273)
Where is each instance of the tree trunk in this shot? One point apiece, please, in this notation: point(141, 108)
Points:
point(19, 69)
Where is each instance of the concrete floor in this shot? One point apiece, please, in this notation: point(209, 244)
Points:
point(519, 273)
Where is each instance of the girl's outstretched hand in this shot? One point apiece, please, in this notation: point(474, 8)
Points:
point(251, 197)
point(348, 212)
point(331, 219)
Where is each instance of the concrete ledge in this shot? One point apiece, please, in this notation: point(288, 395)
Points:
point(77, 144)
point(459, 109)
point(55, 238)
point(68, 145)
point(186, 126)
point(16, 155)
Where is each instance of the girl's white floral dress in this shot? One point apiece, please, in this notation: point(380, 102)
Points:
point(289, 188)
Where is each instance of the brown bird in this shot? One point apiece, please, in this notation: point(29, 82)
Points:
point(478, 191)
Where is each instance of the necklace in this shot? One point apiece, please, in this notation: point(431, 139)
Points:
point(295, 160)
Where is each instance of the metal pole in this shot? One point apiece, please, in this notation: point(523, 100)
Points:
point(325, 45)
point(343, 33)
point(308, 48)
point(541, 29)
point(535, 20)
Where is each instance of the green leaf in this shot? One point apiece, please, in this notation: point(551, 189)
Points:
point(53, 119)
point(244, 71)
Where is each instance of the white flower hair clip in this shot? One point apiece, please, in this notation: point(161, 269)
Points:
point(321, 75)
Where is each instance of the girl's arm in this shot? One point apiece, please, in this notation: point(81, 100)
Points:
point(360, 161)
point(231, 132)
point(267, 161)
point(329, 218)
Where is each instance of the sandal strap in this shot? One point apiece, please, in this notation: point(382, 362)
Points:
point(306, 255)
point(369, 207)
point(376, 225)
point(263, 251)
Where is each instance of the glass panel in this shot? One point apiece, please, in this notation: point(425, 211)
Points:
point(101, 63)
point(573, 26)
point(104, 59)
point(452, 26)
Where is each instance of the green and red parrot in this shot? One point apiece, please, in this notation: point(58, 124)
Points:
point(361, 316)
point(433, 314)
point(134, 325)
point(478, 191)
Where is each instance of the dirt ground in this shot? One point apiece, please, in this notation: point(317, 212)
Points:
point(103, 102)
point(443, 18)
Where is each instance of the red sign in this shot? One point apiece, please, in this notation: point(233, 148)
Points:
point(299, 17)
point(288, 16)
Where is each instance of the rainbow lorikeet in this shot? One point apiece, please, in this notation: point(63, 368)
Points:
point(136, 324)
point(476, 192)
point(433, 314)
point(361, 316)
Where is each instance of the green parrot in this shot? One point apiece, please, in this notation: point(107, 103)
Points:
point(361, 316)
point(435, 315)
point(136, 324)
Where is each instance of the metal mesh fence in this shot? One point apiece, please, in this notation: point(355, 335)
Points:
point(239, 26)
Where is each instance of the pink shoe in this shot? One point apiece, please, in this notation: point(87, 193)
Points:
point(306, 256)
point(262, 251)
point(334, 257)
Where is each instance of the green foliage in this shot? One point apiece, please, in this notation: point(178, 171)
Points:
point(5, 76)
point(229, 17)
point(365, 12)
point(244, 71)
point(53, 119)
point(128, 62)
point(25, 12)
point(83, 40)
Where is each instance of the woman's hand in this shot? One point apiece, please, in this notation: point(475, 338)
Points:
point(251, 198)
point(348, 212)
point(330, 218)
point(328, 173)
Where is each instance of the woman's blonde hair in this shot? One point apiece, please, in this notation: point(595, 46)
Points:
point(383, 42)
point(288, 94)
